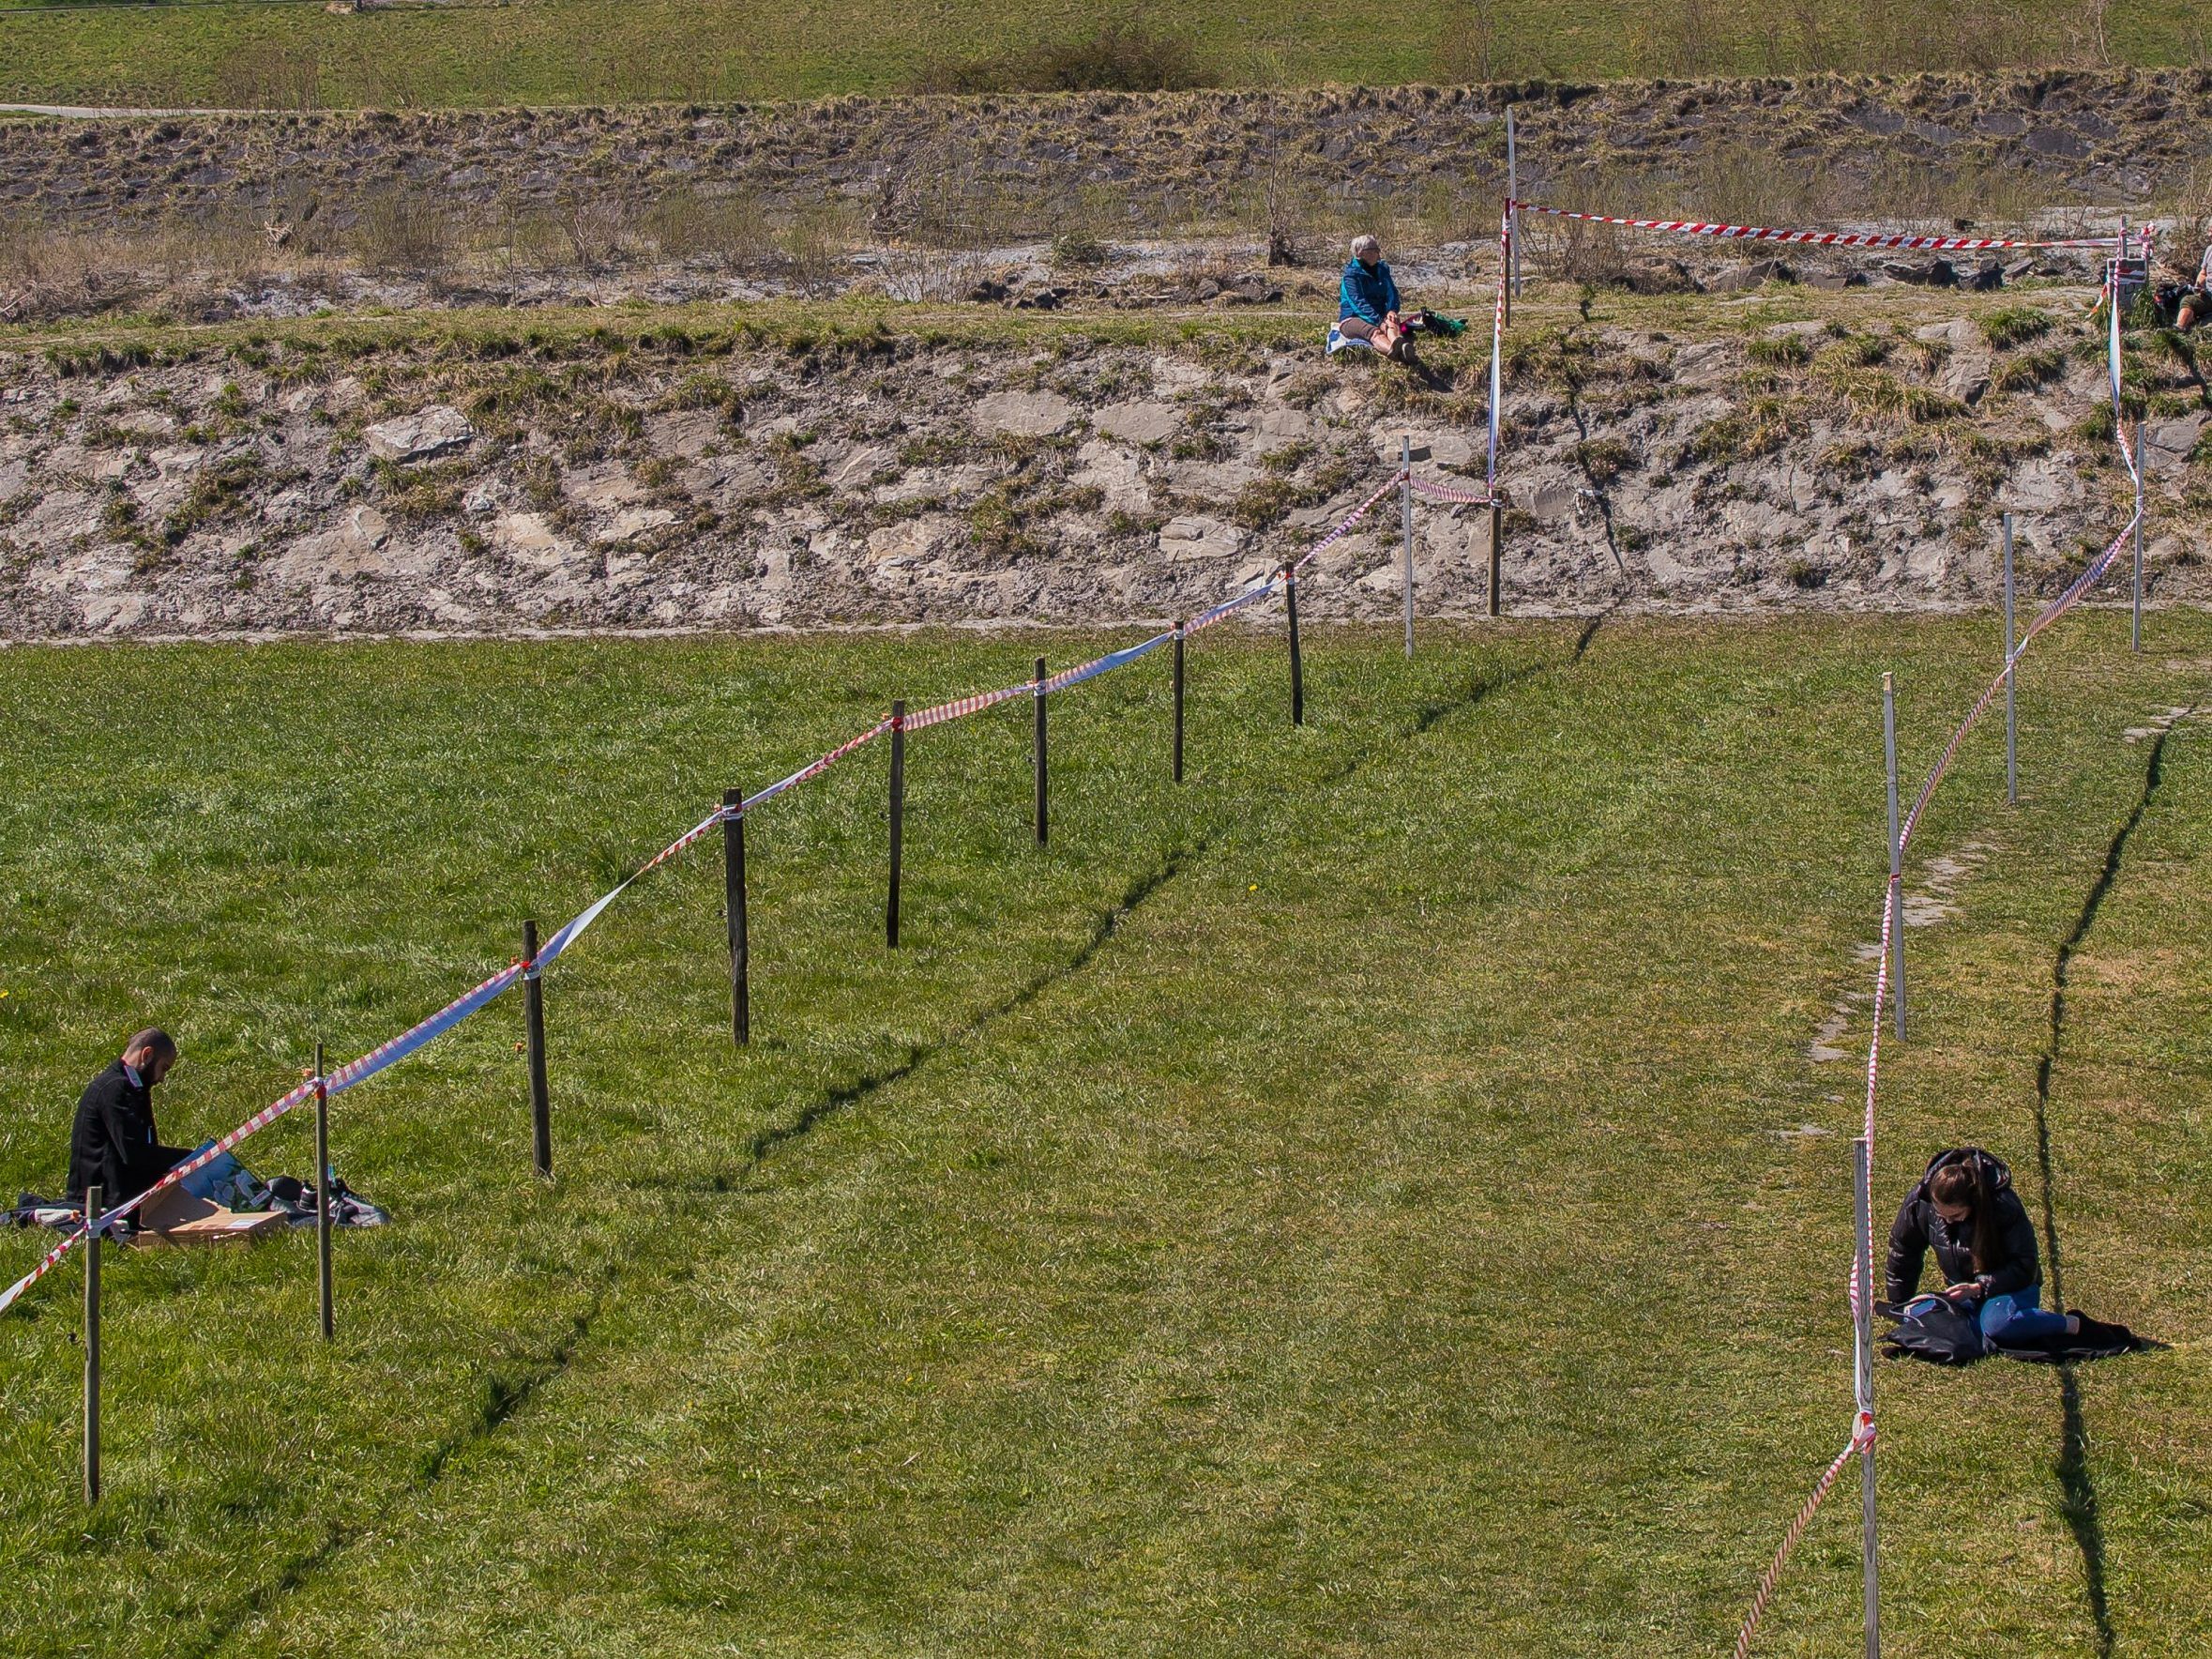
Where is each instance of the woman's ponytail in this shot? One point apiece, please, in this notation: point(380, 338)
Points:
point(1988, 1240)
point(1966, 1180)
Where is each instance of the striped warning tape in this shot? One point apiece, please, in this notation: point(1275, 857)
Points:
point(392, 1052)
point(2067, 599)
point(1753, 233)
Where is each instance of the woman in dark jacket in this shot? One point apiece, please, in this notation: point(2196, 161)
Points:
point(1965, 1210)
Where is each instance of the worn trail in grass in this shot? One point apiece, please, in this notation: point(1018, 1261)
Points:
point(1342, 1204)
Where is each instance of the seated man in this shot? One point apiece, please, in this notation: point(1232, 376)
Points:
point(1367, 306)
point(113, 1145)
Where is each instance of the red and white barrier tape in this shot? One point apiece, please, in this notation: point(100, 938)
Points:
point(1444, 491)
point(1751, 233)
point(1862, 1434)
point(392, 1052)
point(2072, 595)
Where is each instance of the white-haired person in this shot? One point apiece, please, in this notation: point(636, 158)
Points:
point(1370, 311)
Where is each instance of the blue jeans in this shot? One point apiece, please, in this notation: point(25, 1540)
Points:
point(2018, 1318)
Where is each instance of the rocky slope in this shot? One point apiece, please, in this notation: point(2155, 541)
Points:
point(703, 479)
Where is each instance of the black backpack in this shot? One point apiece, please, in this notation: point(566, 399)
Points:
point(1931, 1328)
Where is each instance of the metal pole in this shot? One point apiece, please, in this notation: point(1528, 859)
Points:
point(1513, 200)
point(323, 1284)
point(533, 1027)
point(898, 819)
point(91, 1203)
point(1863, 1245)
point(2142, 460)
point(734, 908)
point(2011, 712)
point(1298, 659)
point(1896, 852)
point(1039, 697)
point(1179, 629)
point(1406, 527)
point(1496, 535)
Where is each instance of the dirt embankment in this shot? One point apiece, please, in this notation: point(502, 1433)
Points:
point(913, 164)
point(679, 479)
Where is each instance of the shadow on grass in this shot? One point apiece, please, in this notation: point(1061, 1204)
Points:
point(2077, 1485)
point(506, 1393)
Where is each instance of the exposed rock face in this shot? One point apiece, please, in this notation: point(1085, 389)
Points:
point(733, 485)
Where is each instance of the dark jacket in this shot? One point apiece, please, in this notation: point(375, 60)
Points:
point(113, 1144)
point(1919, 1229)
point(1365, 294)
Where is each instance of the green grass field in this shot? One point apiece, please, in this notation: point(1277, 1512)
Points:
point(553, 52)
point(1339, 1206)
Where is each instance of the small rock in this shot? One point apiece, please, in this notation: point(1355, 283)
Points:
point(1190, 539)
point(1936, 273)
point(1139, 423)
point(439, 430)
point(1024, 414)
point(1833, 280)
point(1741, 279)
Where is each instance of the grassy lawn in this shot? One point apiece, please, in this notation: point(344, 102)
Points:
point(553, 52)
point(1341, 1205)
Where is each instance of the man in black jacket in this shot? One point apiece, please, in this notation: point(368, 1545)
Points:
point(113, 1144)
point(1965, 1210)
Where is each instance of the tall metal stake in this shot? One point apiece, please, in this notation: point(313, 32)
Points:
point(898, 820)
point(1896, 852)
point(1513, 201)
point(92, 1198)
point(2011, 712)
point(1298, 659)
point(323, 1285)
point(1864, 1247)
point(534, 1029)
point(2142, 460)
point(740, 932)
point(1406, 460)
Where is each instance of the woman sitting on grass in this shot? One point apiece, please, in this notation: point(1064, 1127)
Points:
point(1965, 1210)
point(1367, 306)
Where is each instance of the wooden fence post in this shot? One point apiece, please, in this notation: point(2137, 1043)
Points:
point(1497, 536)
point(1180, 629)
point(733, 909)
point(898, 819)
point(534, 1029)
point(324, 1292)
point(1038, 698)
point(92, 1209)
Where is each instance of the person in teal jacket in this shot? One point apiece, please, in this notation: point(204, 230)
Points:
point(1369, 309)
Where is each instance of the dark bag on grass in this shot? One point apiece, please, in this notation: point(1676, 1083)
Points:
point(1931, 1328)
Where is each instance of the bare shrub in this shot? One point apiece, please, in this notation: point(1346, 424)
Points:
point(270, 76)
point(1595, 255)
point(1123, 56)
point(684, 225)
point(402, 231)
point(814, 248)
point(594, 223)
point(1466, 45)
